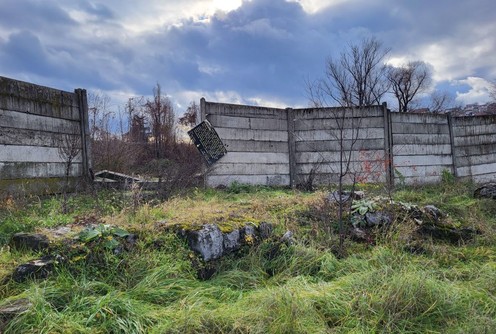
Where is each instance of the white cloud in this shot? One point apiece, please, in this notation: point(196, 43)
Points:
point(313, 6)
point(479, 91)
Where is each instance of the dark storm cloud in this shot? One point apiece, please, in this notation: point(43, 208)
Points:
point(262, 49)
point(33, 14)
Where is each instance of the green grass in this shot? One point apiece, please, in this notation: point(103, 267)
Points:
point(269, 288)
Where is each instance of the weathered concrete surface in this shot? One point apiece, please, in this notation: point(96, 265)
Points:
point(35, 121)
point(409, 148)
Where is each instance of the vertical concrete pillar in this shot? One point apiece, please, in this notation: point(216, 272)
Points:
point(85, 132)
point(291, 147)
point(388, 145)
point(452, 144)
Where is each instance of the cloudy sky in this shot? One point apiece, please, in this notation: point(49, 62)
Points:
point(241, 51)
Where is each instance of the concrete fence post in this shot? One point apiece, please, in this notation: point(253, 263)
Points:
point(291, 147)
point(85, 132)
point(452, 144)
point(388, 145)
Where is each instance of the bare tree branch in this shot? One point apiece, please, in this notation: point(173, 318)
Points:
point(407, 81)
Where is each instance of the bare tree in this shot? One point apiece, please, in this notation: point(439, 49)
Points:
point(357, 78)
point(99, 112)
point(492, 91)
point(160, 114)
point(69, 147)
point(407, 81)
point(440, 101)
point(190, 117)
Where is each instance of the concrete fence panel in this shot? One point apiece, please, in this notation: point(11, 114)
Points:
point(289, 146)
point(37, 126)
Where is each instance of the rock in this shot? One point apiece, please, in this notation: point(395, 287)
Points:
point(334, 196)
point(15, 307)
point(287, 238)
point(447, 233)
point(29, 241)
point(433, 213)
point(377, 219)
point(12, 309)
point(231, 241)
point(358, 234)
point(39, 268)
point(488, 190)
point(208, 242)
point(248, 234)
point(265, 230)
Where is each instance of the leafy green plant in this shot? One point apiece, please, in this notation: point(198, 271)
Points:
point(103, 232)
point(447, 177)
point(363, 206)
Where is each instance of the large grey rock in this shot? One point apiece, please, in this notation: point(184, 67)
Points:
point(29, 241)
point(231, 241)
point(208, 242)
point(488, 190)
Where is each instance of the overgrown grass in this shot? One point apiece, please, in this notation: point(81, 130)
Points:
point(270, 288)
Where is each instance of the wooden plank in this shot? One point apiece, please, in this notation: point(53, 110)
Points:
point(324, 146)
point(268, 180)
point(330, 123)
point(255, 146)
point(420, 139)
point(19, 170)
point(255, 158)
point(14, 153)
point(247, 134)
point(422, 160)
point(408, 128)
point(248, 169)
point(442, 149)
point(326, 135)
point(19, 120)
point(411, 118)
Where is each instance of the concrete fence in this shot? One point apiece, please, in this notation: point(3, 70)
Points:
point(40, 130)
point(287, 147)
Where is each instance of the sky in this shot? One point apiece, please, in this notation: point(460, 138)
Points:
point(259, 52)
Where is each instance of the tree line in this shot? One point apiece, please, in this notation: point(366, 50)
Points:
point(144, 139)
point(360, 76)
